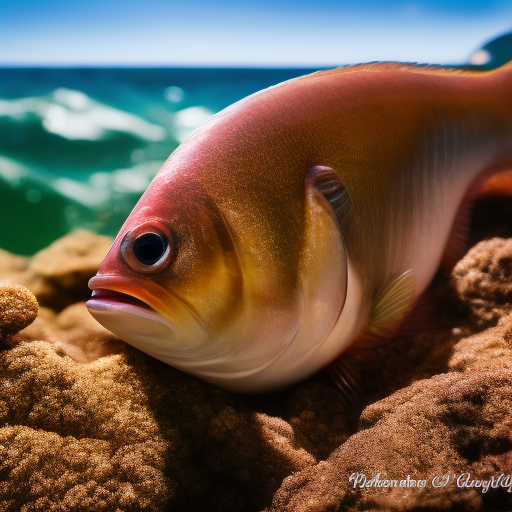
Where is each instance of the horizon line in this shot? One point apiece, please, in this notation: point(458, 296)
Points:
point(11, 65)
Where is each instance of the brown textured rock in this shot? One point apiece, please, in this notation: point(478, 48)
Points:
point(484, 280)
point(18, 308)
point(58, 275)
point(127, 431)
point(451, 423)
point(75, 332)
point(72, 259)
point(112, 429)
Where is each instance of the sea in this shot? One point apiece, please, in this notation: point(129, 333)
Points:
point(78, 146)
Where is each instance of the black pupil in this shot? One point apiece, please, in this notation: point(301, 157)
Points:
point(149, 248)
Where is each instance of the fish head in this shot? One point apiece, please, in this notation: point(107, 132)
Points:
point(171, 283)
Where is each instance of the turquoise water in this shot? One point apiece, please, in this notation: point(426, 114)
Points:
point(78, 147)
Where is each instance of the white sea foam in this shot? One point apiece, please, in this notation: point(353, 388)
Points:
point(81, 193)
point(71, 125)
point(188, 120)
point(97, 192)
point(131, 180)
point(128, 180)
point(101, 186)
point(76, 116)
point(12, 171)
point(20, 109)
point(75, 100)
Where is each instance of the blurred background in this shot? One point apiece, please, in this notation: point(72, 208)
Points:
point(95, 95)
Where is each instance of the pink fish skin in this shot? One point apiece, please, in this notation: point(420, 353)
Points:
point(301, 217)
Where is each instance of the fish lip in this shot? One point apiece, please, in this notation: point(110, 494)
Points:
point(149, 294)
point(142, 297)
point(101, 297)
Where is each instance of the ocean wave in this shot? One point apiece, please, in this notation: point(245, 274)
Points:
point(75, 116)
point(98, 189)
point(14, 173)
point(42, 201)
point(186, 121)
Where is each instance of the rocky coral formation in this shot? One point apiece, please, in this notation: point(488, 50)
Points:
point(476, 277)
point(88, 423)
point(452, 423)
point(18, 309)
point(58, 275)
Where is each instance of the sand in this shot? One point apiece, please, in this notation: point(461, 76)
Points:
point(88, 423)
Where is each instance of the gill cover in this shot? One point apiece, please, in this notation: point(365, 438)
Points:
point(323, 282)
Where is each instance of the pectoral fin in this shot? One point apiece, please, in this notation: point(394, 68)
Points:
point(393, 304)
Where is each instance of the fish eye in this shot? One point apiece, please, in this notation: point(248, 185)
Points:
point(147, 248)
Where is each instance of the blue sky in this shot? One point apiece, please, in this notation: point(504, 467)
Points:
point(247, 33)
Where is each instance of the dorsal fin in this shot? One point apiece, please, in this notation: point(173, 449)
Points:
point(426, 69)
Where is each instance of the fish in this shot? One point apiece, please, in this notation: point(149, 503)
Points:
point(303, 217)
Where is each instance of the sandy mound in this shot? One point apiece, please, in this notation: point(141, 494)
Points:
point(112, 429)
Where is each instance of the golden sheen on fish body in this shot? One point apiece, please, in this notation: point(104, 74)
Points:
point(302, 217)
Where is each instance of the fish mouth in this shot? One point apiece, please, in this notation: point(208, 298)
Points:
point(146, 315)
point(142, 294)
point(104, 301)
point(103, 298)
